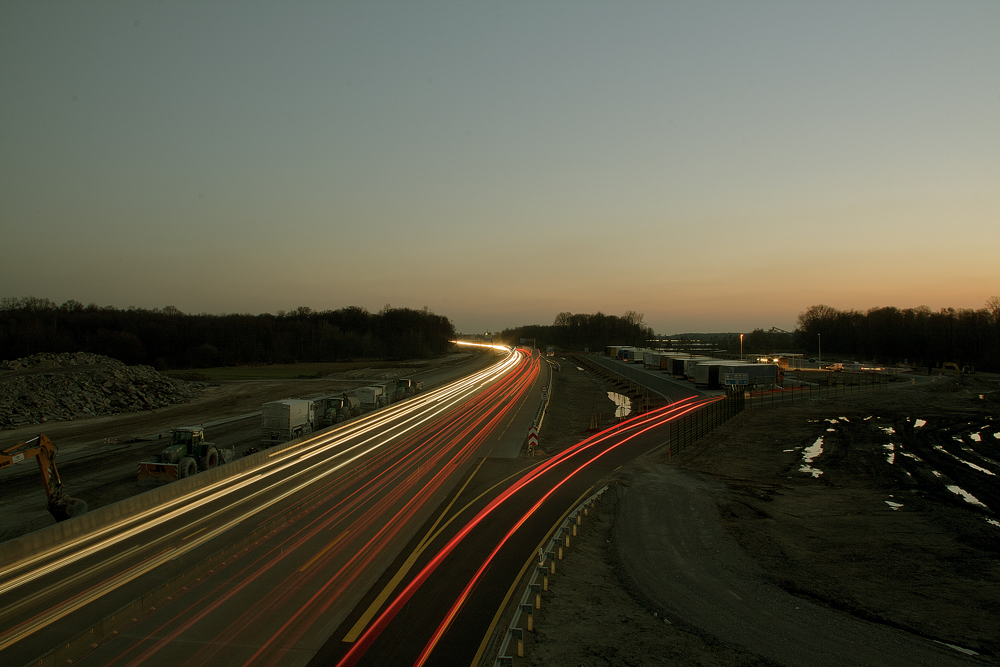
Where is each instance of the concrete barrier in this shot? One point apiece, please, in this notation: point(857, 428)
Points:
point(21, 548)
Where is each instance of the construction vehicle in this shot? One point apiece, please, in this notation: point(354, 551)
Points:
point(60, 507)
point(286, 420)
point(336, 410)
point(406, 387)
point(951, 368)
point(187, 454)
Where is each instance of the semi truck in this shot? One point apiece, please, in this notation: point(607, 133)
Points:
point(691, 363)
point(186, 455)
point(375, 396)
point(706, 374)
point(756, 375)
point(286, 420)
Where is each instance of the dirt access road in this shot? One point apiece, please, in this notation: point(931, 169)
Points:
point(870, 530)
point(98, 457)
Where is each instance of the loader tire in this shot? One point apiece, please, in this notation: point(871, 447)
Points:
point(186, 467)
point(209, 460)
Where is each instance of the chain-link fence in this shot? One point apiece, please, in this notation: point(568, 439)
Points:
point(685, 430)
point(828, 386)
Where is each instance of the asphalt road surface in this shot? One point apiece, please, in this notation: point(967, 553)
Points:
point(263, 564)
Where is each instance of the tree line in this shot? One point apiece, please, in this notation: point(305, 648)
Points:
point(887, 335)
point(168, 338)
point(581, 331)
point(914, 335)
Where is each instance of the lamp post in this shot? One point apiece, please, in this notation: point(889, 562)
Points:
point(819, 351)
point(741, 347)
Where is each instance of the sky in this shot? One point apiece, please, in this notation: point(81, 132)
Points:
point(715, 166)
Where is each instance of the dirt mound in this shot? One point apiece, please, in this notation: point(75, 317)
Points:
point(55, 387)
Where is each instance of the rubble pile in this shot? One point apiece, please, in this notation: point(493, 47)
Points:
point(55, 387)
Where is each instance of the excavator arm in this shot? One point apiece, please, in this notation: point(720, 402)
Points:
point(61, 507)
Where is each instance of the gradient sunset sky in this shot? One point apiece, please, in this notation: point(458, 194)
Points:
point(717, 166)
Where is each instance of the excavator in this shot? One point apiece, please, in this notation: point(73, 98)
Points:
point(60, 507)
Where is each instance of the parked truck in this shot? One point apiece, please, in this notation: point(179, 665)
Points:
point(371, 397)
point(286, 420)
point(750, 375)
point(691, 363)
point(706, 374)
point(187, 454)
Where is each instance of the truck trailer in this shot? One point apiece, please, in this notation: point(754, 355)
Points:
point(286, 420)
point(756, 375)
point(706, 374)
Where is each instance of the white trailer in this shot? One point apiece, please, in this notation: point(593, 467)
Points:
point(651, 359)
point(706, 374)
point(371, 397)
point(286, 420)
point(750, 375)
point(691, 362)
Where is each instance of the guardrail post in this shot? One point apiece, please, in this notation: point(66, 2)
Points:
point(527, 609)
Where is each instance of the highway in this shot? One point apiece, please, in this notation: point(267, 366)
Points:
point(260, 567)
point(444, 605)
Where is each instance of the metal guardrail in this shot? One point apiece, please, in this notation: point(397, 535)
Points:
point(539, 582)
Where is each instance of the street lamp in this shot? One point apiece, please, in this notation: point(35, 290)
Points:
point(819, 351)
point(741, 347)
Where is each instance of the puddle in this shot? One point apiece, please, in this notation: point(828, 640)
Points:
point(580, 369)
point(811, 453)
point(966, 496)
point(997, 435)
point(894, 506)
point(891, 456)
point(845, 419)
point(624, 405)
point(975, 437)
point(919, 423)
point(888, 429)
point(912, 456)
point(994, 522)
point(869, 417)
point(831, 430)
point(968, 463)
point(832, 421)
point(937, 474)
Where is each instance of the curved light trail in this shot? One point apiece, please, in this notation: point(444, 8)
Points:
point(579, 456)
point(367, 479)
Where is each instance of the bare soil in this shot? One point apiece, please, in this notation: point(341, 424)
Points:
point(929, 563)
point(97, 456)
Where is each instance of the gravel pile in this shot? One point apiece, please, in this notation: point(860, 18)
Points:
point(56, 387)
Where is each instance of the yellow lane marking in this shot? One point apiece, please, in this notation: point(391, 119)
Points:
point(323, 551)
point(398, 577)
point(429, 537)
point(520, 576)
point(523, 401)
point(194, 533)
